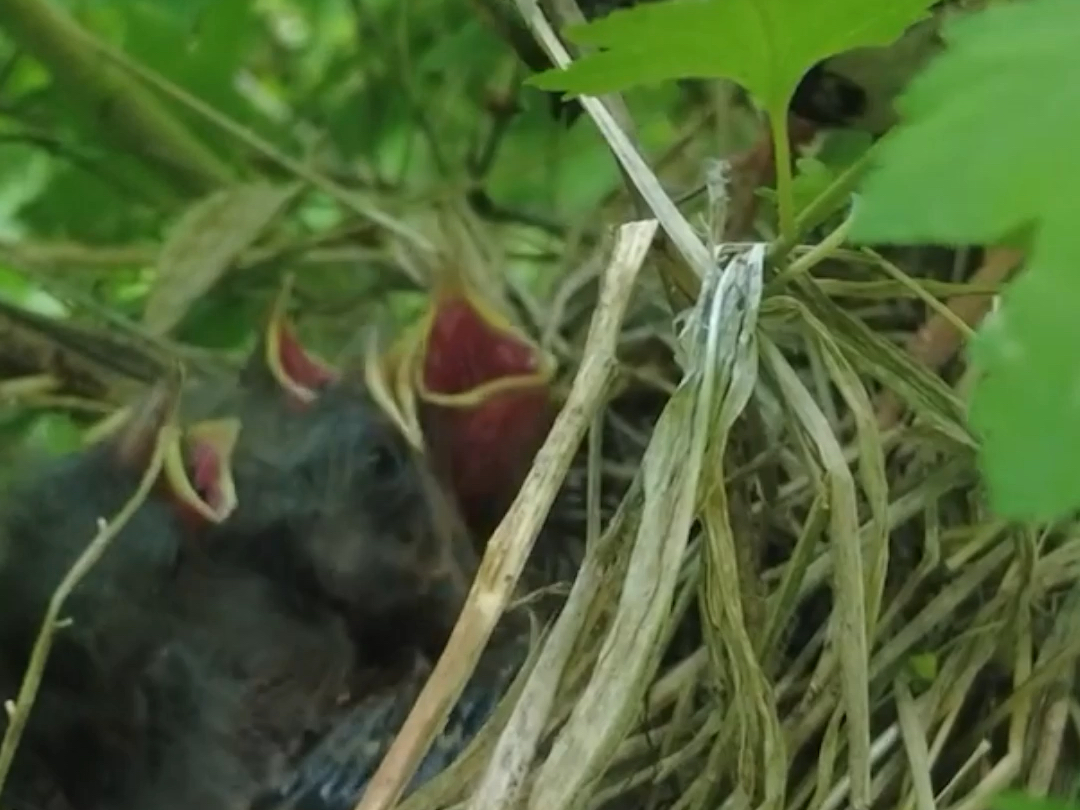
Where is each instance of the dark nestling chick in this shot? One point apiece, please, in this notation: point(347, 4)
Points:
point(284, 672)
point(112, 691)
point(335, 505)
point(341, 517)
point(193, 681)
point(335, 773)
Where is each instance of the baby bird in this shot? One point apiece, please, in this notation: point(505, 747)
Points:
point(112, 692)
point(250, 600)
point(334, 504)
point(188, 679)
point(335, 773)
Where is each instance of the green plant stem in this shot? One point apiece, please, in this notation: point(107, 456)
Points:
point(813, 257)
point(778, 123)
point(126, 114)
point(39, 656)
point(823, 205)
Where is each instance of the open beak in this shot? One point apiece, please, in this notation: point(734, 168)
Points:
point(387, 376)
point(300, 372)
point(470, 351)
point(198, 468)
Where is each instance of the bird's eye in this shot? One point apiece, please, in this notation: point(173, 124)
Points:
point(386, 460)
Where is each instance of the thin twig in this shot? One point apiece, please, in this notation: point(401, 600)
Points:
point(482, 156)
point(679, 231)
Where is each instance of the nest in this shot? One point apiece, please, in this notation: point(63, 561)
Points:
point(787, 590)
point(778, 598)
point(788, 596)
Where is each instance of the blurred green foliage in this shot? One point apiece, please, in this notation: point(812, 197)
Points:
point(390, 100)
point(1014, 800)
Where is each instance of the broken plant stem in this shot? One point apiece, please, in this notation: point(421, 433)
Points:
point(39, 655)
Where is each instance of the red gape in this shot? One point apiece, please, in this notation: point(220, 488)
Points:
point(198, 471)
point(485, 401)
point(302, 374)
point(482, 386)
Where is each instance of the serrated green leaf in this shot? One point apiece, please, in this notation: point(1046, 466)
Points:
point(987, 140)
point(959, 171)
point(764, 45)
point(1026, 408)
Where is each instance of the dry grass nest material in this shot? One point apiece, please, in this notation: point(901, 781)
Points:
point(783, 601)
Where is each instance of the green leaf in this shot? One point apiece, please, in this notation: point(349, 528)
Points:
point(764, 45)
point(1014, 800)
point(199, 45)
point(961, 170)
point(811, 179)
point(923, 666)
point(29, 432)
point(53, 433)
point(24, 173)
point(99, 206)
point(1026, 407)
point(17, 289)
point(223, 321)
point(205, 242)
point(842, 147)
point(987, 143)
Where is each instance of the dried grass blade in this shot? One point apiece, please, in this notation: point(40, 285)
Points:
point(849, 620)
point(716, 386)
point(515, 751)
point(762, 757)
